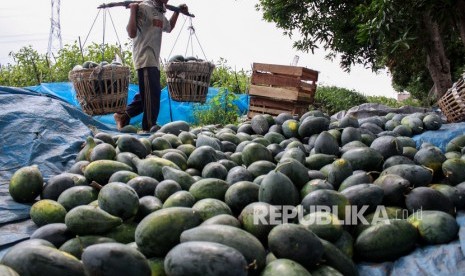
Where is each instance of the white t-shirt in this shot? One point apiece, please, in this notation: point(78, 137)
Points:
point(146, 45)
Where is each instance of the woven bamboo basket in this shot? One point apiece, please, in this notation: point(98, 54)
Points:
point(101, 90)
point(452, 104)
point(189, 81)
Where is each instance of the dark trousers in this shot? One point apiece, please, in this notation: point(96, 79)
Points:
point(147, 101)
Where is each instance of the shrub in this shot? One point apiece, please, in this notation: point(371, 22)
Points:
point(220, 109)
point(393, 102)
point(32, 68)
point(332, 99)
point(224, 76)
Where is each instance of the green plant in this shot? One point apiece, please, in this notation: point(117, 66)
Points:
point(220, 109)
point(163, 81)
point(32, 68)
point(224, 76)
point(393, 102)
point(332, 99)
point(413, 102)
point(384, 101)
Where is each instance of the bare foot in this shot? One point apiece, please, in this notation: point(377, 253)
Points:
point(122, 119)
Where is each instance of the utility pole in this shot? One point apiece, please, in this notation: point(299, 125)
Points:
point(54, 40)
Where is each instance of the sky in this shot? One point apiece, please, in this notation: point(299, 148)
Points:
point(229, 29)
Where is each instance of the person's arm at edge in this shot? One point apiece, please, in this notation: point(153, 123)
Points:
point(173, 20)
point(131, 28)
point(175, 15)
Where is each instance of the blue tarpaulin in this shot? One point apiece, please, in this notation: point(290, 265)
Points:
point(40, 129)
point(441, 137)
point(44, 125)
point(35, 129)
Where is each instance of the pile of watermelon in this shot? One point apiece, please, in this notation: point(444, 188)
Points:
point(181, 58)
point(281, 195)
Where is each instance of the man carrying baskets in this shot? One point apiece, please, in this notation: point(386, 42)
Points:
point(146, 24)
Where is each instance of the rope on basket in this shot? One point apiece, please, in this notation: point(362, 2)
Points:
point(191, 85)
point(104, 19)
point(100, 71)
point(190, 43)
point(192, 33)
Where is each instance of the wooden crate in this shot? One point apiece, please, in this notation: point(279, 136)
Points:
point(283, 82)
point(452, 104)
point(280, 88)
point(264, 105)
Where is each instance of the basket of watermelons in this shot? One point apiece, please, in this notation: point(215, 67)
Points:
point(188, 78)
point(101, 88)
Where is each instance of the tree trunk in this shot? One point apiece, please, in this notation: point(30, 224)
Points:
point(460, 19)
point(437, 62)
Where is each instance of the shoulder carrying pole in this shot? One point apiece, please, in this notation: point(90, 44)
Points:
point(126, 4)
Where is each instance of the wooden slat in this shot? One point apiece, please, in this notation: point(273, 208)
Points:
point(268, 79)
point(273, 92)
point(252, 112)
point(278, 93)
point(307, 88)
point(275, 104)
point(267, 110)
point(278, 69)
point(291, 83)
point(304, 73)
point(259, 78)
point(260, 105)
point(299, 110)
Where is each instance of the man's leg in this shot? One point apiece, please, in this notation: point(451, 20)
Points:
point(151, 97)
point(134, 108)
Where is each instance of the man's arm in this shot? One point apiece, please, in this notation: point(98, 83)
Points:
point(131, 28)
point(174, 17)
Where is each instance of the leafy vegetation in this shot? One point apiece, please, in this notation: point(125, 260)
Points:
point(220, 109)
point(332, 99)
point(225, 76)
point(393, 102)
point(32, 68)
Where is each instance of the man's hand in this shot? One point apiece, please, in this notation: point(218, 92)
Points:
point(183, 8)
point(133, 6)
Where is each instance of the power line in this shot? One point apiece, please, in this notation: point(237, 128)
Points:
point(20, 35)
point(21, 40)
